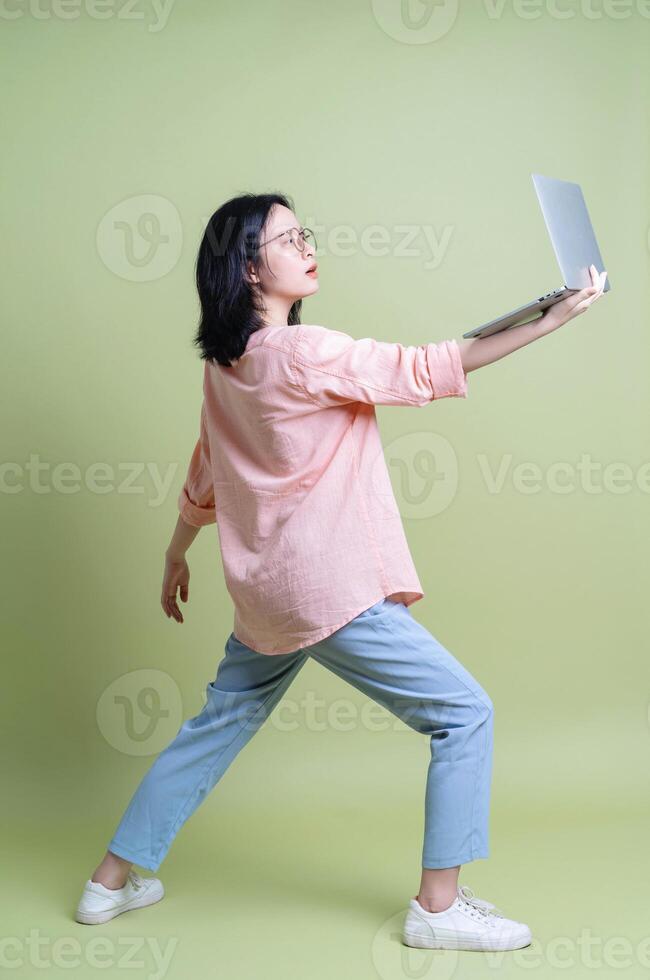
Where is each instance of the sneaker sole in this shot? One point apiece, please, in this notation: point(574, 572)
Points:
point(479, 945)
point(95, 918)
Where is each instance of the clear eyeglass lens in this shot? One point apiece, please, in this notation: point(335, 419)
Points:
point(300, 238)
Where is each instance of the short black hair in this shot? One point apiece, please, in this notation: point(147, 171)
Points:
point(230, 304)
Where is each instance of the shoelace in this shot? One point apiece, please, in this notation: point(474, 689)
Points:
point(484, 908)
point(135, 879)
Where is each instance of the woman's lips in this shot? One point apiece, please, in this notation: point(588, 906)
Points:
point(313, 273)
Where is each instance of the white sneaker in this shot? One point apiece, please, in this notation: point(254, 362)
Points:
point(468, 923)
point(99, 903)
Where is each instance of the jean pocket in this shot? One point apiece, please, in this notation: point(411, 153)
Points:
point(382, 606)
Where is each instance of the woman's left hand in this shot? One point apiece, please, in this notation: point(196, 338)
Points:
point(559, 314)
point(175, 576)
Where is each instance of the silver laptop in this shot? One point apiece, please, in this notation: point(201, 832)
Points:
point(575, 246)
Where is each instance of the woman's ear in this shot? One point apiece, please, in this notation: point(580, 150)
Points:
point(252, 276)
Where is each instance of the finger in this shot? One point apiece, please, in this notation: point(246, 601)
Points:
point(176, 613)
point(586, 303)
point(583, 305)
point(185, 590)
point(584, 296)
point(601, 285)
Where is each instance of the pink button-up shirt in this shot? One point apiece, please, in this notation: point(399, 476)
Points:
point(289, 464)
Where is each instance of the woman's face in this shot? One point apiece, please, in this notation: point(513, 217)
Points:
point(282, 272)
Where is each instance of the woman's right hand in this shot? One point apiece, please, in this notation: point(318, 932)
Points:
point(579, 302)
point(176, 576)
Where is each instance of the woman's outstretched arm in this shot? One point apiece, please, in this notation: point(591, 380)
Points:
point(477, 352)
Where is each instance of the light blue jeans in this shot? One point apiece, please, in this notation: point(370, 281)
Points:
point(389, 656)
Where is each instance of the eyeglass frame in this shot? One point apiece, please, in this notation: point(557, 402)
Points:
point(300, 231)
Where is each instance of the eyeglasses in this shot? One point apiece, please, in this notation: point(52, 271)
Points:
point(304, 236)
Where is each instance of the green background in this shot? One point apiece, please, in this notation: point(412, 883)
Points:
point(303, 858)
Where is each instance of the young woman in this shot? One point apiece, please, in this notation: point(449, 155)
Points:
point(289, 464)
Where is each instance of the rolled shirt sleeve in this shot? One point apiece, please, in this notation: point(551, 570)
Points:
point(196, 500)
point(334, 368)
